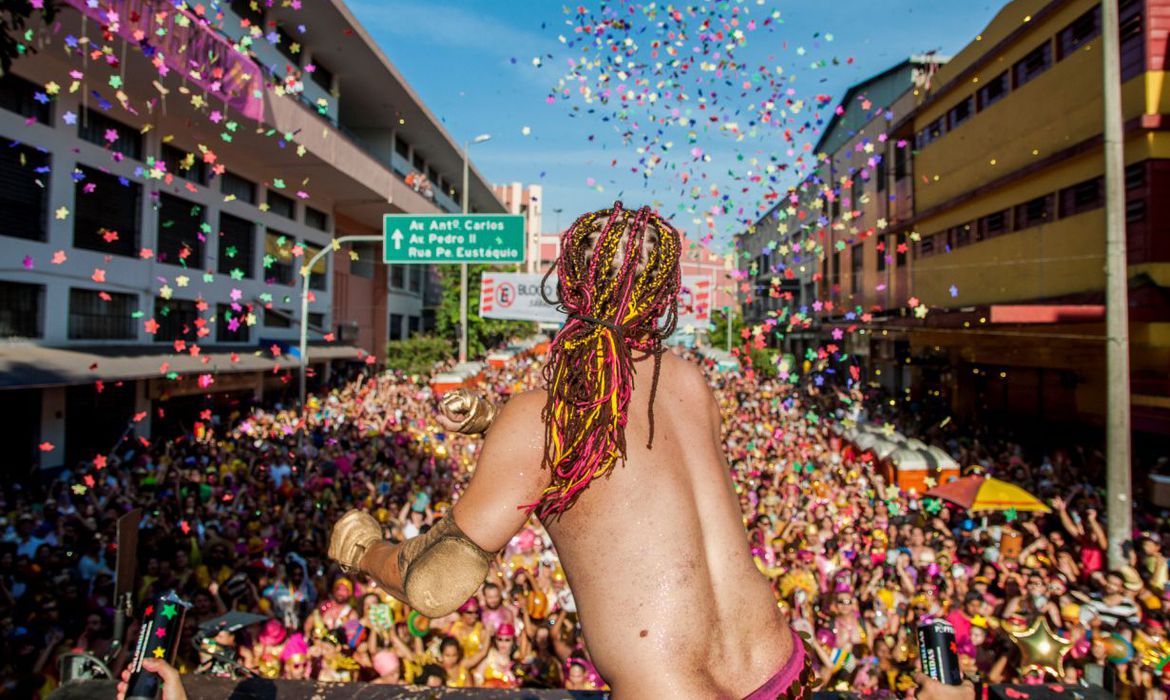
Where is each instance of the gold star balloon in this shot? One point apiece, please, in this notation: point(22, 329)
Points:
point(1040, 648)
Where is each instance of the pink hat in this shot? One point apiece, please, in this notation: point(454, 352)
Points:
point(471, 605)
point(385, 662)
point(274, 633)
point(296, 646)
point(506, 630)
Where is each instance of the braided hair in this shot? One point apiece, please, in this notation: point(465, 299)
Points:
point(619, 274)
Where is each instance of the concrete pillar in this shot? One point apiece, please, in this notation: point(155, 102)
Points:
point(142, 403)
point(53, 426)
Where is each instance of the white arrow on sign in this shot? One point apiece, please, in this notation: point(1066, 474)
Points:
point(397, 238)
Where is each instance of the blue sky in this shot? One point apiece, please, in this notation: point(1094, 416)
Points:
point(473, 65)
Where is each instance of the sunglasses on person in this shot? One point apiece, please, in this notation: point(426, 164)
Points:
point(504, 639)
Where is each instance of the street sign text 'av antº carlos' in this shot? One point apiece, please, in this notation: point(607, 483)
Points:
point(453, 238)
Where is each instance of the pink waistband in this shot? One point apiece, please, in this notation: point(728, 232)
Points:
point(785, 677)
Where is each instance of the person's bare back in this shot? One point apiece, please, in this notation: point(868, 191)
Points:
point(670, 601)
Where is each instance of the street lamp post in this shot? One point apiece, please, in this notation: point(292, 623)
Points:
point(463, 266)
point(307, 270)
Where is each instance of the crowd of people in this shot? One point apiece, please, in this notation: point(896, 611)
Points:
point(237, 516)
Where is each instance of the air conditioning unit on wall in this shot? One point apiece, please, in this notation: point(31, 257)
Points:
point(347, 332)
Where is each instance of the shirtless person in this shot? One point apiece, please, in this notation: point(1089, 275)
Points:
point(620, 457)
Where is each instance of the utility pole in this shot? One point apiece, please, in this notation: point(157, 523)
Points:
point(463, 266)
point(1117, 407)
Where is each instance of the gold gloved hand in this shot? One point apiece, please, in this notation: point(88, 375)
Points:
point(467, 413)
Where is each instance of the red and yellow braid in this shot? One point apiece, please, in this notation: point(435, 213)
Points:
point(612, 310)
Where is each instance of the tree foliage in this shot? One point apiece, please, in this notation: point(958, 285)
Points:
point(418, 354)
point(15, 40)
point(764, 362)
point(717, 336)
point(482, 333)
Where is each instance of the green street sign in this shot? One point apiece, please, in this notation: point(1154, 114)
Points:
point(453, 238)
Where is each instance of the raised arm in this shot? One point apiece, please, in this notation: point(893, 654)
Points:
point(1071, 527)
point(437, 571)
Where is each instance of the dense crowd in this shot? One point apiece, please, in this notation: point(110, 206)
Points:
point(237, 516)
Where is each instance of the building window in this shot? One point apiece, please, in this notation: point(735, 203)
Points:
point(284, 44)
point(277, 318)
point(316, 319)
point(1132, 38)
point(105, 212)
point(1082, 197)
point(1033, 212)
point(180, 232)
point(964, 234)
point(97, 128)
point(236, 187)
point(1032, 65)
point(231, 323)
point(1135, 211)
point(93, 318)
point(993, 225)
point(417, 161)
point(1083, 30)
point(900, 251)
point(993, 91)
point(278, 257)
point(882, 173)
point(412, 325)
point(836, 268)
point(882, 248)
point(315, 218)
point(962, 111)
point(901, 162)
point(397, 276)
point(20, 310)
point(363, 265)
point(23, 201)
point(1135, 176)
point(415, 279)
point(932, 132)
point(176, 319)
point(926, 245)
point(20, 96)
point(184, 164)
point(856, 191)
point(856, 268)
point(395, 329)
point(237, 246)
point(322, 76)
point(281, 206)
point(319, 277)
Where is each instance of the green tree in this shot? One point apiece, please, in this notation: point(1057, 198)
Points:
point(418, 354)
point(764, 362)
point(717, 336)
point(15, 41)
point(482, 333)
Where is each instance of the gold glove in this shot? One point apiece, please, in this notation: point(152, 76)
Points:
point(478, 411)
